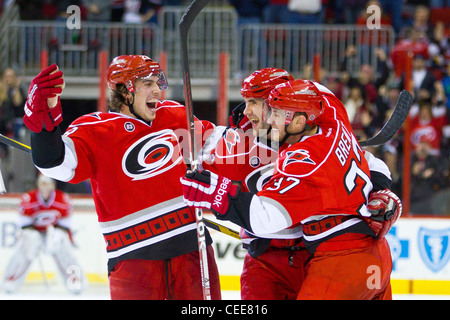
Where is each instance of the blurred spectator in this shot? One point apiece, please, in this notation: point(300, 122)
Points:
point(370, 80)
point(411, 41)
point(276, 12)
point(30, 10)
point(421, 21)
point(358, 112)
point(429, 174)
point(49, 10)
point(422, 78)
point(306, 12)
point(249, 11)
point(141, 11)
point(394, 9)
point(117, 10)
point(385, 103)
point(426, 126)
point(98, 10)
point(446, 87)
point(439, 49)
point(13, 94)
point(351, 9)
point(390, 157)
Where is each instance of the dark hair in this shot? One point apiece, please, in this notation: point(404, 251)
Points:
point(117, 98)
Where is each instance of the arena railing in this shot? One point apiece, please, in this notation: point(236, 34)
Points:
point(215, 31)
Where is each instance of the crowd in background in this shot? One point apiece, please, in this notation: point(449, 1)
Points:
point(421, 27)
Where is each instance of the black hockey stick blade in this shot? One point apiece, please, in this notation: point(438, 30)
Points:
point(395, 122)
point(15, 144)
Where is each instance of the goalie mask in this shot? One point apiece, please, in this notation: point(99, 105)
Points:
point(127, 68)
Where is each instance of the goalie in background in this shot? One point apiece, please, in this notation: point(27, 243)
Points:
point(45, 227)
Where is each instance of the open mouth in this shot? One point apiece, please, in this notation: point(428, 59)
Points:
point(254, 122)
point(151, 105)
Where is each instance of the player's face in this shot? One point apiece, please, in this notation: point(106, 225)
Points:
point(146, 97)
point(45, 188)
point(256, 110)
point(277, 119)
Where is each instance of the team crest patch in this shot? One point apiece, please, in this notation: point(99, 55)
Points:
point(129, 126)
point(151, 155)
point(231, 139)
point(297, 156)
point(434, 247)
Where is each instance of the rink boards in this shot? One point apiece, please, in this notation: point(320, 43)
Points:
point(420, 250)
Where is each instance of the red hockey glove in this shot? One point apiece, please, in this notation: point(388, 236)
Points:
point(207, 190)
point(238, 119)
point(46, 85)
point(386, 208)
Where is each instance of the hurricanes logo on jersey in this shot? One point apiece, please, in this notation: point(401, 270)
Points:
point(297, 156)
point(151, 155)
point(231, 139)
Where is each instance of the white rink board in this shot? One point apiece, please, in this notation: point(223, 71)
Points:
point(420, 248)
point(90, 247)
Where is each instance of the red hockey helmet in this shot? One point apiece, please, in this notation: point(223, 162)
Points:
point(261, 82)
point(297, 96)
point(127, 68)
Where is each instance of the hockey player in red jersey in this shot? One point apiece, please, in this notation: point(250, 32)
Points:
point(45, 221)
point(273, 268)
point(274, 265)
point(322, 182)
point(133, 159)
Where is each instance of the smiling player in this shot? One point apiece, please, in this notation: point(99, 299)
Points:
point(133, 158)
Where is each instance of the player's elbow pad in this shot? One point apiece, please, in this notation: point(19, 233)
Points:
point(47, 148)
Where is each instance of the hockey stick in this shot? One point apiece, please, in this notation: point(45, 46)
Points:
point(192, 162)
point(221, 228)
point(395, 122)
point(15, 144)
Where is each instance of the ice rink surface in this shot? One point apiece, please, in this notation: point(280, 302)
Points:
point(101, 292)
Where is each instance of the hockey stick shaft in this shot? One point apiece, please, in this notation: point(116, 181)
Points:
point(222, 229)
point(395, 122)
point(15, 144)
point(185, 23)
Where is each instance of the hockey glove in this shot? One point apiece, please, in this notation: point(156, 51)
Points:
point(44, 89)
point(386, 208)
point(238, 119)
point(204, 189)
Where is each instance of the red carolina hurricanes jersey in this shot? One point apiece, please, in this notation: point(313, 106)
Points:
point(135, 171)
point(239, 156)
point(321, 175)
point(35, 211)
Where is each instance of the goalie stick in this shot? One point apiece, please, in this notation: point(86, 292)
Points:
point(192, 162)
